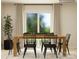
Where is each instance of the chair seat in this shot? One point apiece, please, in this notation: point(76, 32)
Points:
point(49, 45)
point(62, 44)
point(30, 45)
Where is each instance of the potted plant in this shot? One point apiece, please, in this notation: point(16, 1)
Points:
point(7, 28)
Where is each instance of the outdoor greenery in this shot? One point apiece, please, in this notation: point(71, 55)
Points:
point(43, 28)
point(32, 24)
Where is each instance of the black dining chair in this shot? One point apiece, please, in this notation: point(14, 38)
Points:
point(67, 43)
point(30, 42)
point(49, 45)
point(46, 40)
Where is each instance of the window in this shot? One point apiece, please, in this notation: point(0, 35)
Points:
point(38, 22)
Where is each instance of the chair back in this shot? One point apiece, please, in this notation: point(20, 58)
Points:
point(31, 38)
point(54, 41)
point(48, 40)
point(68, 37)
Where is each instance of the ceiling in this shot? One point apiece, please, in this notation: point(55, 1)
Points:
point(38, 1)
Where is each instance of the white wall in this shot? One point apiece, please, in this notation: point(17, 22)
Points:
point(75, 0)
point(19, 20)
point(67, 1)
point(57, 28)
point(69, 22)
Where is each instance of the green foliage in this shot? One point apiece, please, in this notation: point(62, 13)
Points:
point(32, 23)
point(7, 28)
point(43, 28)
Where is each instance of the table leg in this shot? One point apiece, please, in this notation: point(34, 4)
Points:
point(14, 47)
point(64, 47)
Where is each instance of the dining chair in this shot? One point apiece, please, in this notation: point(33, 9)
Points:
point(67, 43)
point(49, 45)
point(30, 43)
point(46, 40)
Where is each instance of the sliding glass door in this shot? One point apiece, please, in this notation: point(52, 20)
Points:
point(38, 22)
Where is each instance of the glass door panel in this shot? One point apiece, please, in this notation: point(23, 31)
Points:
point(32, 22)
point(44, 22)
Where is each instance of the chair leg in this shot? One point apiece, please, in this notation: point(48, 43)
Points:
point(10, 51)
point(51, 49)
point(35, 52)
point(59, 48)
point(42, 47)
point(68, 50)
point(45, 51)
point(55, 52)
point(18, 50)
point(24, 52)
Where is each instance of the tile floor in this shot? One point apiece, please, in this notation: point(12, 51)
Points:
point(30, 55)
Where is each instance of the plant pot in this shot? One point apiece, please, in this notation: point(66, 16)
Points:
point(8, 44)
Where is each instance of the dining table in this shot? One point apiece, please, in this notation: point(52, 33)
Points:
point(38, 36)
